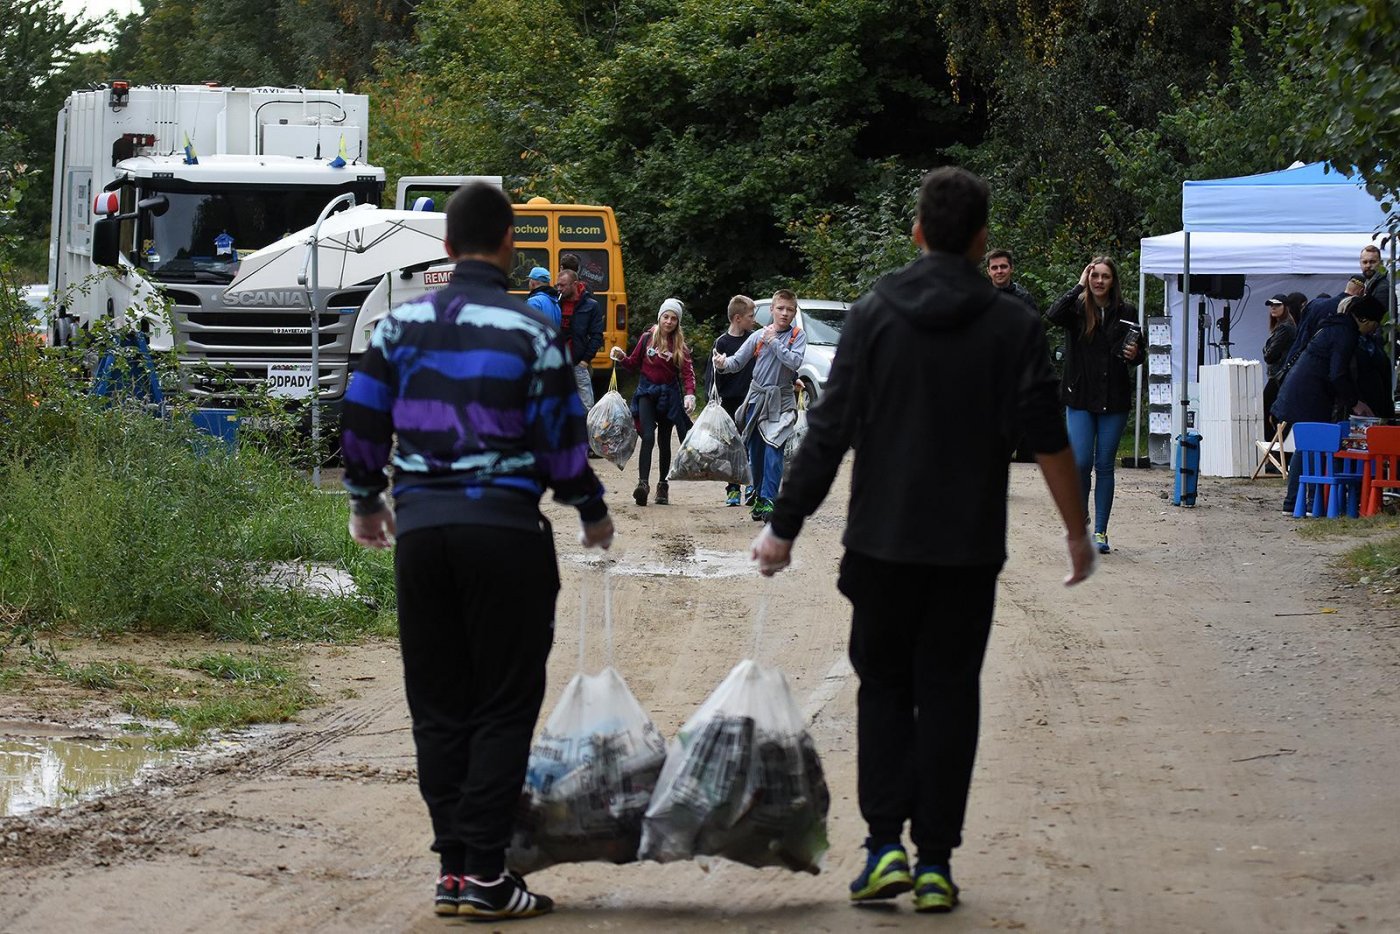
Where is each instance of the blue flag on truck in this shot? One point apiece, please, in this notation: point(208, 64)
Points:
point(341, 158)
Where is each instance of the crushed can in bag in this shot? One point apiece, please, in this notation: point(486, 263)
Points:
point(590, 777)
point(742, 780)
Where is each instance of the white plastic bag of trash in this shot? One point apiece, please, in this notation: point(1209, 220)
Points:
point(742, 780)
point(712, 450)
point(799, 430)
point(611, 433)
point(590, 777)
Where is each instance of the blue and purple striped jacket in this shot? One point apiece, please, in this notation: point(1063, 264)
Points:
point(478, 390)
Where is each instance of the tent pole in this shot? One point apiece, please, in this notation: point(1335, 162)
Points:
point(1142, 326)
point(1394, 325)
point(1185, 337)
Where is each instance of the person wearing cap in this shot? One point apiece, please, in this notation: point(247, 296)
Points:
point(1282, 330)
point(543, 298)
point(770, 408)
point(665, 395)
point(1321, 386)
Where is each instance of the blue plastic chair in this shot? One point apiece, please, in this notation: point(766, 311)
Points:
point(1324, 479)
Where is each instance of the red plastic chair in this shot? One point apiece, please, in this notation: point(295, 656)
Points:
point(1383, 446)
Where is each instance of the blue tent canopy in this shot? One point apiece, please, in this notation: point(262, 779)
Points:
point(1314, 198)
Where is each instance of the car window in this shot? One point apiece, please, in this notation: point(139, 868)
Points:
point(819, 332)
point(835, 317)
point(823, 324)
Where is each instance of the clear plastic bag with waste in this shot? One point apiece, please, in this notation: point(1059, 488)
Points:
point(591, 770)
point(712, 450)
point(742, 780)
point(590, 777)
point(799, 429)
point(611, 433)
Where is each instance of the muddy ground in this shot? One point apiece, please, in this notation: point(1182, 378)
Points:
point(1185, 743)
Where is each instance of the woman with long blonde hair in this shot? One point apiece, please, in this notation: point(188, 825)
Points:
point(665, 395)
point(1102, 344)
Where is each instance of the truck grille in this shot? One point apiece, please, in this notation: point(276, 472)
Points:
point(219, 347)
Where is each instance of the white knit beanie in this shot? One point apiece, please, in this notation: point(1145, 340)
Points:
point(671, 304)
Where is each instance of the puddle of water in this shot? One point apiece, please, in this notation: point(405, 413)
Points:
point(46, 771)
point(326, 580)
point(703, 563)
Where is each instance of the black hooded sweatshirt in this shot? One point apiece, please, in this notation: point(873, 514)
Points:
point(937, 376)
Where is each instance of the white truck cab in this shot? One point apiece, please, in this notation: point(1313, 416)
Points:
point(159, 191)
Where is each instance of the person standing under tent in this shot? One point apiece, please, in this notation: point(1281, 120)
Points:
point(1282, 330)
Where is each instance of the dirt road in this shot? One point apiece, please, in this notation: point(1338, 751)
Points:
point(1162, 751)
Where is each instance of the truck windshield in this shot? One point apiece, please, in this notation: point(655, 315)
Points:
point(206, 229)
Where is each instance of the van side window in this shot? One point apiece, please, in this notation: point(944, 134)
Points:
point(525, 260)
point(593, 268)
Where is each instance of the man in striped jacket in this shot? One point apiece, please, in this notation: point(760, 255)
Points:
point(476, 388)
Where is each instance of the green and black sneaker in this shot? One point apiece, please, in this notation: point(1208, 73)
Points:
point(934, 891)
point(886, 874)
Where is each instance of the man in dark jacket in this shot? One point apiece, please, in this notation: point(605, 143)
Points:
point(1321, 386)
point(1000, 270)
point(468, 392)
point(583, 325)
point(920, 567)
point(1373, 276)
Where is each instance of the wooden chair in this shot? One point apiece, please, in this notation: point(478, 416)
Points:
point(1272, 452)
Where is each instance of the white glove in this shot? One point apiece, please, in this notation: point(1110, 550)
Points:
point(771, 552)
point(597, 534)
point(690, 405)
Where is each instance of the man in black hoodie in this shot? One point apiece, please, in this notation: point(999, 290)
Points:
point(926, 525)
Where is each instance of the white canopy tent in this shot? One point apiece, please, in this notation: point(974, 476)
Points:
point(1299, 229)
point(1271, 263)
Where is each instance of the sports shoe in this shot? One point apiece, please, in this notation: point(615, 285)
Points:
point(663, 494)
point(732, 497)
point(934, 891)
point(886, 874)
point(762, 510)
point(1101, 542)
point(449, 891)
point(506, 897)
point(640, 493)
point(750, 496)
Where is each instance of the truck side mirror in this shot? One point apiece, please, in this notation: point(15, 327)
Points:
point(106, 249)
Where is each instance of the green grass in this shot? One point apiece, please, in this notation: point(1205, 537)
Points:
point(119, 525)
point(1321, 529)
point(214, 691)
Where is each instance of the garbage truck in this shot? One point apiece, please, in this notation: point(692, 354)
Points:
point(160, 190)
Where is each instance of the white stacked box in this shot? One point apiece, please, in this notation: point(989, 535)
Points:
point(1231, 417)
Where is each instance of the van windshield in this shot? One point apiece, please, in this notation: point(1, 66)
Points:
point(206, 229)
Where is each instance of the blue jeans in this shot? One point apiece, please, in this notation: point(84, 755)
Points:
point(1094, 437)
point(765, 463)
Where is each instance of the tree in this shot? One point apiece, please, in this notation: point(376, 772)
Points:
point(725, 121)
point(37, 46)
point(1355, 49)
